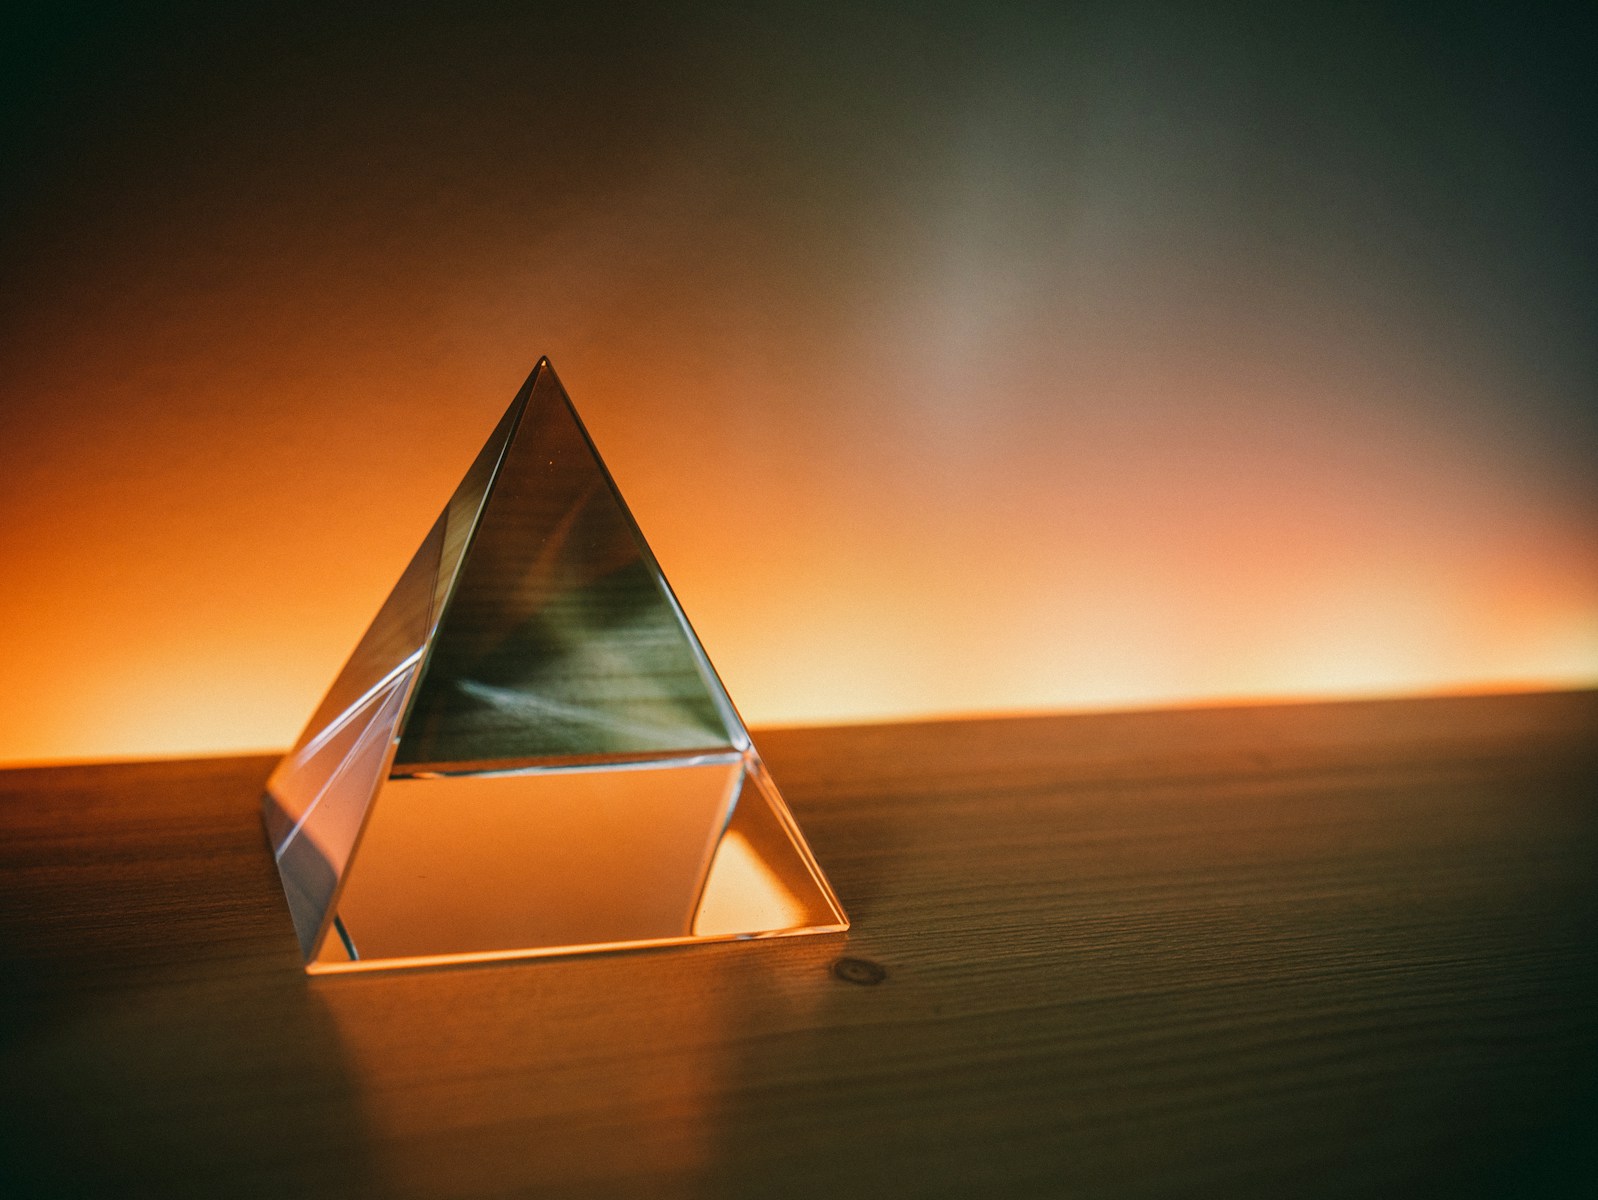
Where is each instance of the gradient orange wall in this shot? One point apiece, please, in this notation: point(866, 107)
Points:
point(950, 365)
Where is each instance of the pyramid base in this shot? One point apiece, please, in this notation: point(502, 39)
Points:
point(541, 861)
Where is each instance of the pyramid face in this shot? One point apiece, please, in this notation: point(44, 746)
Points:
point(528, 752)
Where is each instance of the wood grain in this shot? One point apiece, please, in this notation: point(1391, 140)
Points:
point(1325, 950)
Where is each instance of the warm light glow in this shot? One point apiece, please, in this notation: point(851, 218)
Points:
point(1031, 368)
point(830, 580)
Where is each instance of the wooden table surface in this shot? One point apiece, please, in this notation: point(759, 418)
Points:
point(1320, 950)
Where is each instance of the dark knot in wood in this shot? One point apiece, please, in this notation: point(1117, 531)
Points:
point(859, 970)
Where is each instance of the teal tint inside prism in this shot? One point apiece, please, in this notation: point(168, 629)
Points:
point(560, 636)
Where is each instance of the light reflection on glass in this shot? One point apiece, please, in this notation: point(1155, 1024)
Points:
point(529, 753)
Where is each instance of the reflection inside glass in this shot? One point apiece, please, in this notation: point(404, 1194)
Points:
point(529, 752)
point(595, 855)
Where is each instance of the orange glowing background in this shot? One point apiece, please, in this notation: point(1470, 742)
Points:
point(952, 363)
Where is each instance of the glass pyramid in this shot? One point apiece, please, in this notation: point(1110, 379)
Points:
point(528, 752)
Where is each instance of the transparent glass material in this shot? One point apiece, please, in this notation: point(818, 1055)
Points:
point(528, 752)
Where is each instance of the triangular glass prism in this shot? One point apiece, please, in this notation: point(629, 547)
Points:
point(528, 752)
